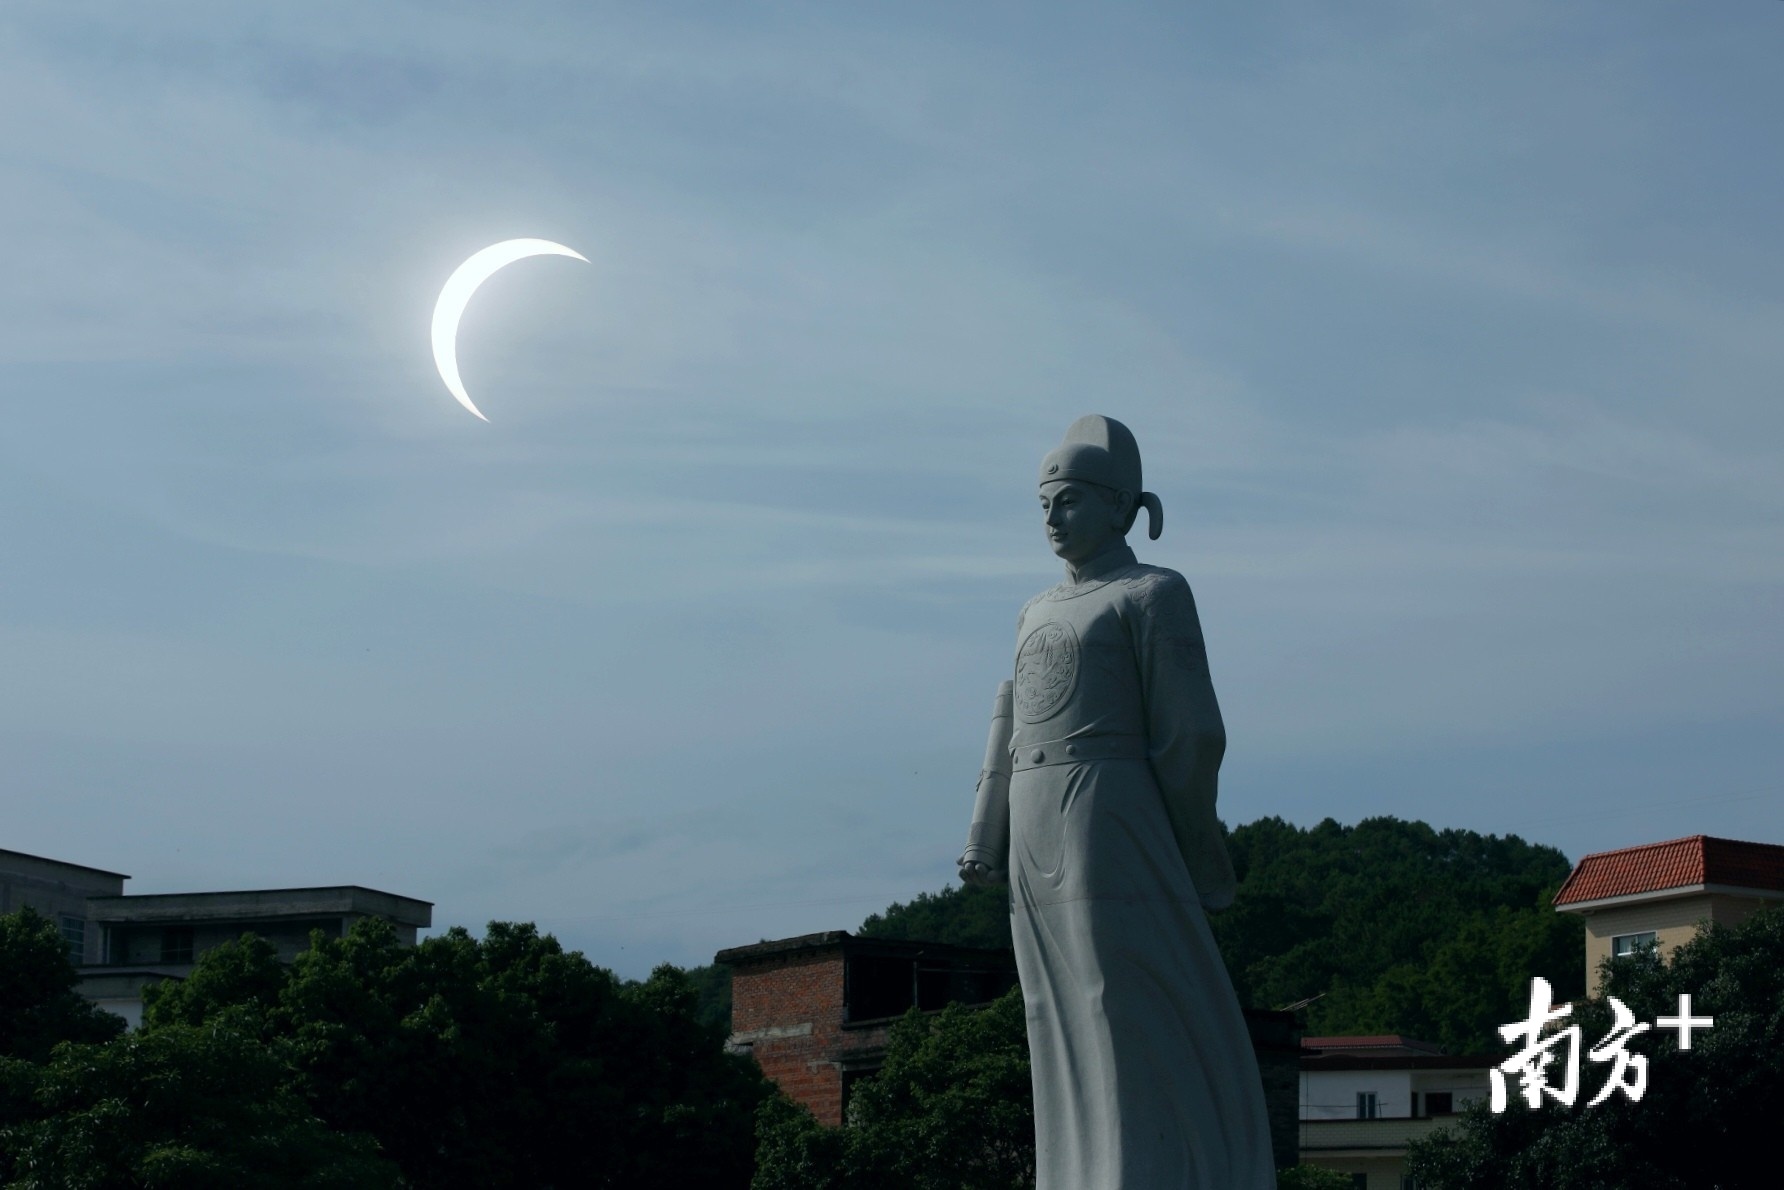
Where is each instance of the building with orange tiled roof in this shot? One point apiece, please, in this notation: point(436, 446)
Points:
point(1658, 894)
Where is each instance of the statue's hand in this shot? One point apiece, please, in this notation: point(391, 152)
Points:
point(981, 874)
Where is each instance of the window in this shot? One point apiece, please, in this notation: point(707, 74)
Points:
point(1359, 1181)
point(1366, 1106)
point(1407, 1183)
point(1625, 945)
point(176, 944)
point(1440, 1103)
point(876, 987)
point(74, 932)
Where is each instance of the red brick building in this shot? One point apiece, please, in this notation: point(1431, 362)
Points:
point(814, 1012)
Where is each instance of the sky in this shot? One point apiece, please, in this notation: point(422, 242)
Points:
point(1452, 335)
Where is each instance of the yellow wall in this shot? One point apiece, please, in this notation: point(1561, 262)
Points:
point(1673, 921)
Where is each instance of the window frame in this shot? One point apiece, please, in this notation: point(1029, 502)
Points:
point(74, 935)
point(177, 946)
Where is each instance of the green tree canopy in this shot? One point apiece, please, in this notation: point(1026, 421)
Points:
point(1394, 926)
point(1397, 927)
point(38, 1004)
point(500, 1062)
point(959, 915)
point(1709, 1115)
point(951, 1109)
point(181, 1107)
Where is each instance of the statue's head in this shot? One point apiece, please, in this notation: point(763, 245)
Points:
point(1090, 489)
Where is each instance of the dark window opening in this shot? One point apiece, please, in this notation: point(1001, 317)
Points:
point(1366, 1105)
point(879, 987)
point(935, 986)
point(176, 944)
point(980, 987)
point(1440, 1103)
point(74, 933)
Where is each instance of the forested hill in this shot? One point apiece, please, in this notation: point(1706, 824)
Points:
point(1396, 927)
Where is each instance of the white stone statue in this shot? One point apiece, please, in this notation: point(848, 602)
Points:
point(1097, 807)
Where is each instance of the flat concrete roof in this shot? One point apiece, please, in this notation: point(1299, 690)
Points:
point(259, 905)
point(1329, 1061)
point(999, 957)
point(61, 863)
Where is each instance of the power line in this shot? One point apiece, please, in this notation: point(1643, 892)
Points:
point(1623, 811)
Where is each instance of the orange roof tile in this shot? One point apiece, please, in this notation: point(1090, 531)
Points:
point(1676, 863)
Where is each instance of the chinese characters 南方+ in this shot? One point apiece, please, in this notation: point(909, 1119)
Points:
point(1533, 1064)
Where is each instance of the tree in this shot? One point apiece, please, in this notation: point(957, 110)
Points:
point(794, 1151)
point(712, 983)
point(489, 1063)
point(1312, 1177)
point(38, 1004)
point(1394, 926)
point(959, 915)
point(951, 1109)
point(1709, 1114)
point(181, 1107)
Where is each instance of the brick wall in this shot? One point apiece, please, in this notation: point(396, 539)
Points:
point(788, 1004)
point(789, 1011)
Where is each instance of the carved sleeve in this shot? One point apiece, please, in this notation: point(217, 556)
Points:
point(1185, 735)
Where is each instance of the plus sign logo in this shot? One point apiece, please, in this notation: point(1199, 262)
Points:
point(1684, 1022)
point(1548, 1064)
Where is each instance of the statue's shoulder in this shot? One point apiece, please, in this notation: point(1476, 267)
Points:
point(1034, 599)
point(1153, 585)
point(1162, 598)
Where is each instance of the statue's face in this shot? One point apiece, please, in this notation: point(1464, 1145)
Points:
point(1082, 519)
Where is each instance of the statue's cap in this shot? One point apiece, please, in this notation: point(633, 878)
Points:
point(1101, 450)
point(1097, 450)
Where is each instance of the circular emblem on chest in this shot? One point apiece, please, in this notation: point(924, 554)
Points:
point(1046, 671)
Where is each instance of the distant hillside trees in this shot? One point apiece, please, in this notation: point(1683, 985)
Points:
point(1398, 927)
point(1394, 926)
point(960, 915)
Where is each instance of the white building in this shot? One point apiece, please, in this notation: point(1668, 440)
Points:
point(1364, 1099)
point(121, 944)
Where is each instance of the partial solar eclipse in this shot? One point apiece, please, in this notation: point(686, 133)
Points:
point(460, 286)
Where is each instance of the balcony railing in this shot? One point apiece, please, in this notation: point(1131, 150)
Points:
point(1389, 1133)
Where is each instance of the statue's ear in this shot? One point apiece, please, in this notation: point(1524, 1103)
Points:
point(1155, 514)
point(1125, 516)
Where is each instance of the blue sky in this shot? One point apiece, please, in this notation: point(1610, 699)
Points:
point(1450, 334)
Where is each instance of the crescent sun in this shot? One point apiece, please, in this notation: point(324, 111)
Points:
point(457, 294)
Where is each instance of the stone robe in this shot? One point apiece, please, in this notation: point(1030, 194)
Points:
point(1144, 1076)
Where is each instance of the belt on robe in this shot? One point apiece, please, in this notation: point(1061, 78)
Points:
point(1078, 751)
